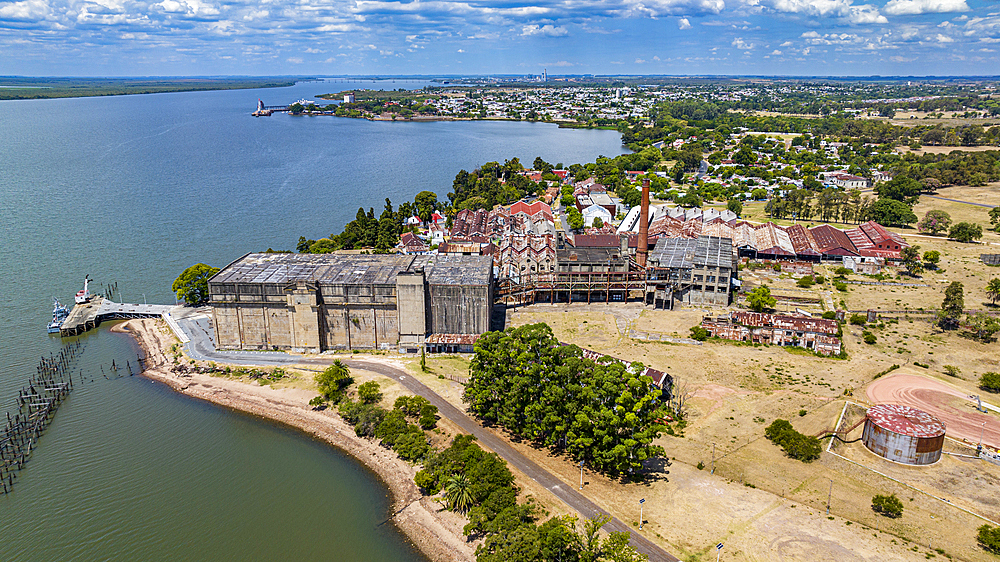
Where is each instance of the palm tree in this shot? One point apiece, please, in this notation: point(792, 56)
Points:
point(993, 290)
point(458, 492)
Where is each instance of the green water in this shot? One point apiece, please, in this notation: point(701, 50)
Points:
point(132, 190)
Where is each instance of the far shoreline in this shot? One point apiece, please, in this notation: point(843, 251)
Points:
point(413, 514)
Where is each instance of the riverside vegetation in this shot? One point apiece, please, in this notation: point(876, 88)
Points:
point(470, 480)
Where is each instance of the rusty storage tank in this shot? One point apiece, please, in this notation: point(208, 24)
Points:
point(903, 434)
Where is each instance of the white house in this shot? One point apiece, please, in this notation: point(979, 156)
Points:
point(592, 212)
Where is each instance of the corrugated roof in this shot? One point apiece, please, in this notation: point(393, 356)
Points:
point(685, 253)
point(353, 269)
point(906, 420)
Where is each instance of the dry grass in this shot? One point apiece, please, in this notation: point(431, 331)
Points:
point(738, 390)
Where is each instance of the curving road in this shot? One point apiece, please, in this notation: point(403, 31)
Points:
point(202, 347)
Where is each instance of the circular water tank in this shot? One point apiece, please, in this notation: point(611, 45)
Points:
point(903, 434)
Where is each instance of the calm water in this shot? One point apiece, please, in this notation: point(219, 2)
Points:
point(133, 189)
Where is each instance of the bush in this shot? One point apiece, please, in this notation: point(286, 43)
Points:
point(333, 381)
point(859, 319)
point(698, 333)
point(840, 286)
point(869, 337)
point(369, 392)
point(411, 406)
point(952, 371)
point(820, 279)
point(796, 445)
point(989, 538)
point(842, 271)
point(990, 382)
point(889, 506)
point(829, 315)
point(428, 416)
point(806, 282)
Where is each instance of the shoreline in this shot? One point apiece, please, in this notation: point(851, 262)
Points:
point(437, 534)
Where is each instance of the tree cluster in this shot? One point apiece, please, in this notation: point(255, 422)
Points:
point(389, 426)
point(795, 444)
point(601, 412)
point(366, 231)
point(480, 484)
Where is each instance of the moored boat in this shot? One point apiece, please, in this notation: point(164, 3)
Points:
point(59, 314)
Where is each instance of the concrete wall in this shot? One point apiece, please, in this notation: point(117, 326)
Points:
point(459, 309)
point(315, 318)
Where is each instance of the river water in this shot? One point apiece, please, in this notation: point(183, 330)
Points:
point(132, 190)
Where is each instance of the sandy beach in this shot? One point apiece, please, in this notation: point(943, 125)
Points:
point(437, 533)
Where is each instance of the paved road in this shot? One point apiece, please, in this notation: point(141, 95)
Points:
point(958, 201)
point(202, 347)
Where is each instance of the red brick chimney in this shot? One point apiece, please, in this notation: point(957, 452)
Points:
point(643, 249)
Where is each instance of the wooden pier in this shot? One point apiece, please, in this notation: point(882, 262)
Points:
point(88, 316)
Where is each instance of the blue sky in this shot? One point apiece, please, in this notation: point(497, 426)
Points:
point(782, 37)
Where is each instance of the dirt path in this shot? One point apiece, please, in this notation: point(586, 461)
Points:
point(950, 405)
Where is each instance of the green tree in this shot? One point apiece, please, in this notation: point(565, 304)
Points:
point(333, 380)
point(993, 290)
point(888, 506)
point(983, 326)
point(952, 306)
point(426, 203)
point(736, 206)
point(901, 188)
point(890, 212)
point(428, 416)
point(698, 333)
point(932, 258)
point(990, 382)
point(191, 286)
point(458, 493)
point(760, 298)
point(369, 392)
point(966, 232)
point(575, 219)
point(935, 221)
point(995, 218)
point(989, 538)
point(598, 222)
point(911, 260)
point(796, 445)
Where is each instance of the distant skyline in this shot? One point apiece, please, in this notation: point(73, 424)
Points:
point(365, 37)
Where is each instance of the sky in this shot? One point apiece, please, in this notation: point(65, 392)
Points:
point(472, 37)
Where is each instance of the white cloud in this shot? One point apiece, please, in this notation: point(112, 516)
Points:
point(684, 23)
point(461, 50)
point(913, 7)
point(861, 14)
point(640, 61)
point(742, 45)
point(294, 60)
point(546, 30)
point(943, 39)
point(776, 52)
point(786, 44)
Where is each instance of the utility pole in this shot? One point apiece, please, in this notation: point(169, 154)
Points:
point(713, 459)
point(642, 501)
point(828, 497)
point(581, 475)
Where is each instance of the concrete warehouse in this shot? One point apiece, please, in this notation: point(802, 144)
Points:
point(316, 302)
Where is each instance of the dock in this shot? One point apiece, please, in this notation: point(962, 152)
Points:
point(88, 316)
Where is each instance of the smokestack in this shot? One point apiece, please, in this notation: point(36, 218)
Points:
point(643, 225)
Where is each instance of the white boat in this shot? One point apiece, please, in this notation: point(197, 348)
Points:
point(59, 314)
point(83, 295)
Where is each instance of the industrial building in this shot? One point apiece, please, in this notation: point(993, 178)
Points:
point(318, 302)
point(816, 334)
point(691, 270)
point(903, 434)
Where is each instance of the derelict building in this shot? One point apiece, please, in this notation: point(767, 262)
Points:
point(318, 302)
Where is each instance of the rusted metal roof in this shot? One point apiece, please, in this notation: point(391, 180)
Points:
point(832, 241)
point(453, 339)
point(797, 323)
point(906, 420)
